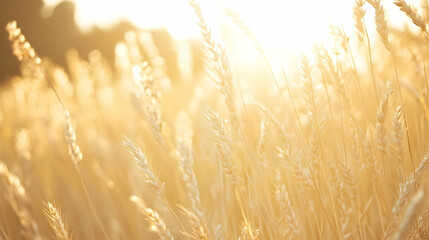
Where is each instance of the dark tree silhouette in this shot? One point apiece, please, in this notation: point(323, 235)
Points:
point(54, 35)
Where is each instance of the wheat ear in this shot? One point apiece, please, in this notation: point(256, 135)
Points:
point(380, 125)
point(19, 202)
point(224, 146)
point(358, 15)
point(56, 221)
point(413, 15)
point(405, 190)
point(74, 149)
point(380, 22)
point(156, 223)
point(410, 215)
point(219, 65)
point(290, 225)
point(396, 142)
point(142, 162)
point(186, 166)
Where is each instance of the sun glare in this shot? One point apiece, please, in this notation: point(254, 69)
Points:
point(296, 24)
point(287, 26)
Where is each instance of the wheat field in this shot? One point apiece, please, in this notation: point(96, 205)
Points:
point(336, 150)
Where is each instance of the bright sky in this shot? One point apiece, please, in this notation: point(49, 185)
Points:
point(294, 24)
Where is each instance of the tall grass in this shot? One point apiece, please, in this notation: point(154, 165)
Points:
point(330, 151)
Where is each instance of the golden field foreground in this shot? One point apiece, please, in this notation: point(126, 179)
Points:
point(338, 151)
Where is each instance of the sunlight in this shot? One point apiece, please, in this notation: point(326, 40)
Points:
point(291, 27)
point(296, 24)
point(214, 119)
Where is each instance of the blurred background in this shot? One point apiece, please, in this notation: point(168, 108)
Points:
point(53, 31)
point(55, 26)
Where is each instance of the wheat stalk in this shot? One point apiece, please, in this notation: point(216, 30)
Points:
point(358, 15)
point(19, 202)
point(405, 190)
point(380, 23)
point(410, 215)
point(219, 65)
point(186, 166)
point(290, 225)
point(248, 233)
point(264, 129)
point(74, 149)
point(56, 221)
point(21, 48)
point(224, 146)
point(396, 141)
point(413, 15)
point(380, 124)
point(156, 223)
point(419, 229)
point(142, 162)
